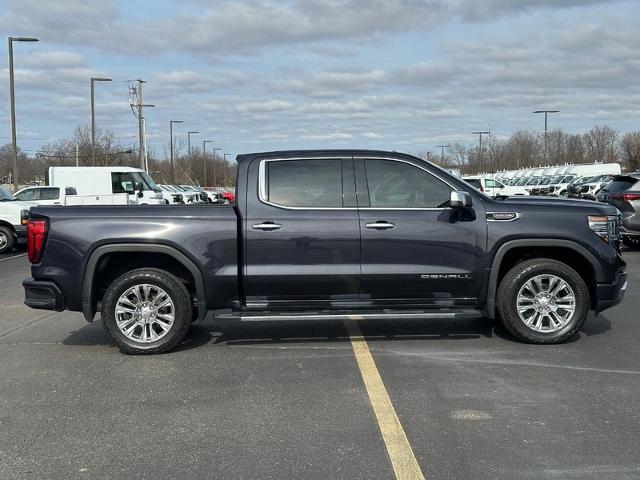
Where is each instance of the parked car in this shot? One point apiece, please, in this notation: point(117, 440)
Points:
point(45, 195)
point(225, 195)
point(328, 235)
point(623, 192)
point(171, 195)
point(590, 189)
point(14, 215)
point(493, 187)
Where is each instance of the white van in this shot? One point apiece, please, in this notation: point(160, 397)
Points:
point(14, 215)
point(97, 181)
point(494, 188)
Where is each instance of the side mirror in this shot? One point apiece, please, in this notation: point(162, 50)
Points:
point(460, 199)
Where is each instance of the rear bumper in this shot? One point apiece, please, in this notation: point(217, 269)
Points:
point(21, 233)
point(610, 294)
point(43, 295)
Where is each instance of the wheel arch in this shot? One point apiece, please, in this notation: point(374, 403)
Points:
point(93, 262)
point(591, 268)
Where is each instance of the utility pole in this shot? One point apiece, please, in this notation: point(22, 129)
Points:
point(546, 112)
point(204, 159)
point(480, 147)
point(12, 94)
point(142, 151)
point(77, 157)
point(93, 117)
point(171, 122)
point(442, 147)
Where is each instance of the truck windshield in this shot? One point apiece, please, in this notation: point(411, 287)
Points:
point(6, 196)
point(148, 182)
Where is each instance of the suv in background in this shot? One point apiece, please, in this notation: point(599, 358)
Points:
point(623, 192)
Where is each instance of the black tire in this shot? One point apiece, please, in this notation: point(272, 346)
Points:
point(513, 282)
point(631, 242)
point(178, 294)
point(7, 239)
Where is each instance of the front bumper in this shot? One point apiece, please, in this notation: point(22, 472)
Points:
point(610, 294)
point(43, 295)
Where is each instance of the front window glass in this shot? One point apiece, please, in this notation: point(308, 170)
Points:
point(305, 183)
point(27, 195)
point(123, 182)
point(401, 185)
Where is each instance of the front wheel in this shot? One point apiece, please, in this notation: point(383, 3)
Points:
point(543, 301)
point(146, 311)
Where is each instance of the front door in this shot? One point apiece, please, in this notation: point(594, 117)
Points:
point(415, 249)
point(302, 235)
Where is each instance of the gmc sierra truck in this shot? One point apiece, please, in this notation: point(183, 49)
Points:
point(328, 235)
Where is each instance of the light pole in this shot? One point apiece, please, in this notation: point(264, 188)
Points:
point(480, 147)
point(93, 117)
point(12, 94)
point(171, 122)
point(546, 112)
point(142, 151)
point(442, 147)
point(204, 159)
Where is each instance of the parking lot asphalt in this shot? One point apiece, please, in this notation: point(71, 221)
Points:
point(287, 400)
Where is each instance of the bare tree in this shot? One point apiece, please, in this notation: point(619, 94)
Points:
point(600, 144)
point(630, 146)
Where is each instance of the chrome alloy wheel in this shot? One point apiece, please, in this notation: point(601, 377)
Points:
point(3, 240)
point(145, 313)
point(546, 303)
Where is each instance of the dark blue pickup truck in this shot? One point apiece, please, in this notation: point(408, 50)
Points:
point(324, 235)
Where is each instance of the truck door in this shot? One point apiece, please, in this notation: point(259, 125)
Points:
point(302, 236)
point(414, 247)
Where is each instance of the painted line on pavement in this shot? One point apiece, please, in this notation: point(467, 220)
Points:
point(400, 452)
point(11, 258)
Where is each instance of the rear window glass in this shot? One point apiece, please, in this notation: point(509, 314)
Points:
point(49, 193)
point(305, 183)
point(620, 185)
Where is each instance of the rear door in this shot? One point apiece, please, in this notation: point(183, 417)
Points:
point(415, 249)
point(302, 236)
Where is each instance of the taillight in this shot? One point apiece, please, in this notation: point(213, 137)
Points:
point(630, 197)
point(36, 235)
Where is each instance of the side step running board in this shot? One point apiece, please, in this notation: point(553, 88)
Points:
point(396, 315)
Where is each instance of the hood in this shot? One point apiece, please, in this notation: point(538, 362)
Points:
point(17, 205)
point(556, 202)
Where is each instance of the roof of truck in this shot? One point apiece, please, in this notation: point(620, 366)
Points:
point(321, 153)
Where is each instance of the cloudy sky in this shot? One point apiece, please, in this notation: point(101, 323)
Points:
point(256, 75)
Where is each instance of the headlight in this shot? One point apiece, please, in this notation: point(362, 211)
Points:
point(606, 227)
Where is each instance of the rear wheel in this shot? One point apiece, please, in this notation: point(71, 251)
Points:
point(7, 240)
point(146, 311)
point(543, 301)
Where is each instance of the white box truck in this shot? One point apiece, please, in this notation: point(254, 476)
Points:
point(97, 182)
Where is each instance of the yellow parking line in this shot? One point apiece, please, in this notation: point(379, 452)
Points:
point(402, 458)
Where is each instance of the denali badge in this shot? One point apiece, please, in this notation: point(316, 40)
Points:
point(449, 276)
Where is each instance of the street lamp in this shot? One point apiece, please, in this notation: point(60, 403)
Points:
point(546, 112)
point(193, 132)
point(14, 144)
point(171, 122)
point(442, 147)
point(480, 148)
point(93, 117)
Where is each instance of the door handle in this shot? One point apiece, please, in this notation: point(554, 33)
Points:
point(380, 225)
point(267, 226)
